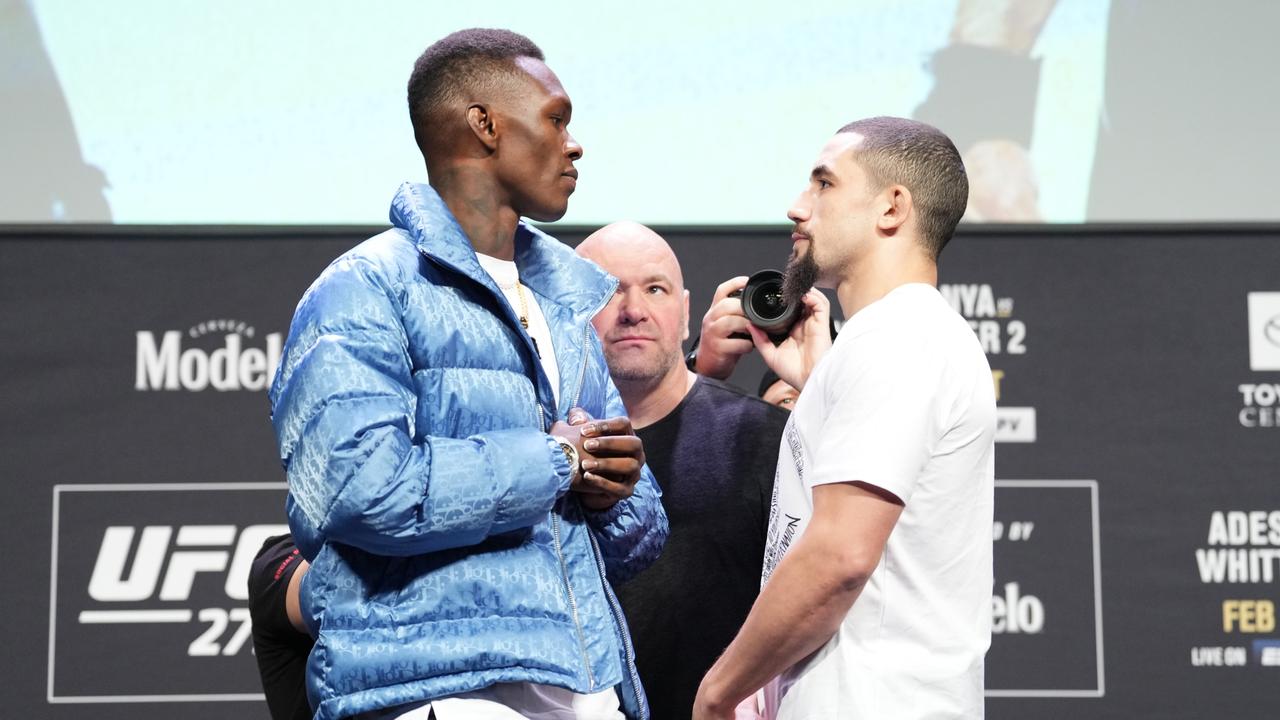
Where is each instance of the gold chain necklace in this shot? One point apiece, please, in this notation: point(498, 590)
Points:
point(524, 316)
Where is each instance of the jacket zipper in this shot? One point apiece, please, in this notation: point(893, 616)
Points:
point(586, 341)
point(555, 520)
point(544, 424)
point(582, 373)
point(573, 602)
point(619, 623)
point(555, 531)
point(564, 567)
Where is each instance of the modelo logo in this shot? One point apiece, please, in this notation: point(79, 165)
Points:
point(215, 549)
point(163, 364)
point(1015, 613)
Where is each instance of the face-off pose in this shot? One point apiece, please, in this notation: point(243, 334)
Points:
point(462, 513)
point(877, 572)
point(712, 450)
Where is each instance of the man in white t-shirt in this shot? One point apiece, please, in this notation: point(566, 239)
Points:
point(876, 597)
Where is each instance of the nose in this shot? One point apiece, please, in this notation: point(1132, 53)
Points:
point(799, 211)
point(572, 149)
point(632, 310)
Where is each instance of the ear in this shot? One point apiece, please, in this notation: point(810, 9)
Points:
point(685, 336)
point(481, 123)
point(896, 209)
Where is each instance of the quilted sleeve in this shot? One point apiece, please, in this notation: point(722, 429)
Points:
point(343, 407)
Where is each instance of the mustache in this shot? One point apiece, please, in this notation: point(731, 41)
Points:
point(616, 336)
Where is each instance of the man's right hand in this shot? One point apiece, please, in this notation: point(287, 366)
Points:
point(718, 349)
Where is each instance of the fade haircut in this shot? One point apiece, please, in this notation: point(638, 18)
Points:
point(921, 158)
point(454, 67)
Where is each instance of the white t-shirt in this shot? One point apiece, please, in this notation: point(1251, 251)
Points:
point(505, 274)
point(904, 401)
point(511, 701)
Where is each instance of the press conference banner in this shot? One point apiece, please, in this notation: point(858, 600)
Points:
point(1137, 521)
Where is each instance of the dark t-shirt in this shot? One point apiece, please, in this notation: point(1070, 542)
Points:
point(714, 457)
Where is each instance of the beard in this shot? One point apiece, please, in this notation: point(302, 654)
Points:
point(646, 369)
point(799, 276)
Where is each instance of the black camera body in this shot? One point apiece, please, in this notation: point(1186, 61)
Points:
point(765, 306)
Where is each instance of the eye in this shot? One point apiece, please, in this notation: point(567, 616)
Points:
point(787, 401)
point(557, 120)
point(657, 289)
point(823, 184)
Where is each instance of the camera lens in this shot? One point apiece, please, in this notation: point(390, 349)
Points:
point(769, 303)
point(764, 305)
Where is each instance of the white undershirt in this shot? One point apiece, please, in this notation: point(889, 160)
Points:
point(512, 701)
point(505, 274)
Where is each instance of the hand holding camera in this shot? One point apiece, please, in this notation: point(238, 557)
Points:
point(794, 354)
point(748, 311)
point(740, 302)
point(724, 337)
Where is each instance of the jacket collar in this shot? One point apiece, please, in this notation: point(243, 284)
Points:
point(547, 266)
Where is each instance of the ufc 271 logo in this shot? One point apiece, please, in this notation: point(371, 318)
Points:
point(157, 574)
point(191, 550)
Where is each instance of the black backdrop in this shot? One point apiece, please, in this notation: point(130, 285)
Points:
point(1138, 509)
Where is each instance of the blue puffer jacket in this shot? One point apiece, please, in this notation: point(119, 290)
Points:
point(411, 414)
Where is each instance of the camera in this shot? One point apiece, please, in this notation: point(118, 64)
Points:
point(765, 306)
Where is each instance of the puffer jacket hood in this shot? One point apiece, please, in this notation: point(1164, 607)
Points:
point(411, 414)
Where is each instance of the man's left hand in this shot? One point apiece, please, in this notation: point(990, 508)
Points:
point(808, 340)
point(612, 462)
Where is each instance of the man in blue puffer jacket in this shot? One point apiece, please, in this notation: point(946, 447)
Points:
point(462, 534)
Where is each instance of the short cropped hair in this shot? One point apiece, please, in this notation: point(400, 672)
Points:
point(455, 66)
point(922, 159)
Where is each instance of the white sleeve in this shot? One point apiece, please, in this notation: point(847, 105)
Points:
point(881, 423)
